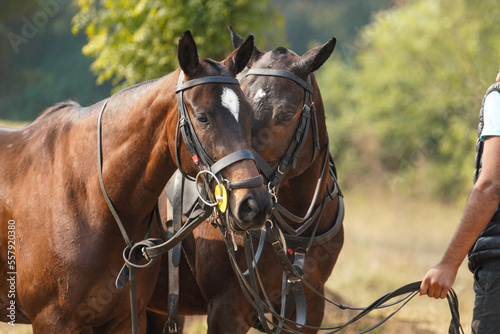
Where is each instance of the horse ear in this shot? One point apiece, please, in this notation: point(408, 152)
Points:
point(238, 40)
point(239, 58)
point(235, 38)
point(187, 54)
point(314, 58)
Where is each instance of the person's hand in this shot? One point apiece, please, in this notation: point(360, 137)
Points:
point(438, 281)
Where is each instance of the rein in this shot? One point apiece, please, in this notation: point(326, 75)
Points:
point(151, 248)
point(293, 271)
point(408, 291)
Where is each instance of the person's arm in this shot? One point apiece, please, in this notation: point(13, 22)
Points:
point(482, 204)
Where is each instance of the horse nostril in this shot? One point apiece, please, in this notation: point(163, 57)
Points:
point(254, 210)
point(248, 210)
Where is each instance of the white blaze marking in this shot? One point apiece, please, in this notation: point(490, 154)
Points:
point(259, 95)
point(231, 102)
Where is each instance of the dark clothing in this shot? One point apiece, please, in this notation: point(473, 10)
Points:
point(484, 257)
point(487, 246)
point(486, 315)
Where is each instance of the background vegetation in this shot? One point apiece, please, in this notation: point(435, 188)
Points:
point(404, 107)
point(402, 90)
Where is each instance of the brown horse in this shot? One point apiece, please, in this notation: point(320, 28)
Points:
point(278, 98)
point(65, 250)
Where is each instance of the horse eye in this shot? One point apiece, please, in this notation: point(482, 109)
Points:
point(202, 118)
point(285, 117)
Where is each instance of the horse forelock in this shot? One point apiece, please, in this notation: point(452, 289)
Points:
point(215, 68)
point(281, 52)
point(279, 59)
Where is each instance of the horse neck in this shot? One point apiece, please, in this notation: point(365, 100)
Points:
point(136, 159)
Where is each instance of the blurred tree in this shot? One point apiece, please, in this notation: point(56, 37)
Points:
point(409, 100)
point(40, 60)
point(313, 22)
point(133, 41)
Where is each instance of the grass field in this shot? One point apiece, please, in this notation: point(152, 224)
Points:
point(391, 240)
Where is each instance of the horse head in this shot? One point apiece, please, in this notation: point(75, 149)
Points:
point(220, 119)
point(277, 84)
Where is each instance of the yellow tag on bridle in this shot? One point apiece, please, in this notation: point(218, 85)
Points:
point(221, 197)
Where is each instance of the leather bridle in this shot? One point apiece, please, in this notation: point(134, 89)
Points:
point(151, 248)
point(307, 119)
point(193, 144)
point(292, 279)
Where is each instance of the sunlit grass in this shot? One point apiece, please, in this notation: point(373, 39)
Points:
point(391, 241)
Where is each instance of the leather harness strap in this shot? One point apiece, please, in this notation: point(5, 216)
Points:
point(277, 73)
point(174, 254)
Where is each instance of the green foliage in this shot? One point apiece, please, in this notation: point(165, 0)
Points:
point(406, 106)
point(134, 41)
point(309, 23)
point(47, 66)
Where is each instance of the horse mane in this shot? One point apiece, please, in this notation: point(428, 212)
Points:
point(59, 106)
point(141, 87)
point(68, 107)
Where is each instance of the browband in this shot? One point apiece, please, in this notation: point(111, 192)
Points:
point(199, 81)
point(278, 73)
